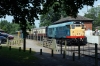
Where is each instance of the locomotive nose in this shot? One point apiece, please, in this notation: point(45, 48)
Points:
point(77, 33)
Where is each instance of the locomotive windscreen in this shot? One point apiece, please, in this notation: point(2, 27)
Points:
point(77, 22)
point(77, 25)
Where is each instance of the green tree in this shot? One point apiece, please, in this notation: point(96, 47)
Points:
point(15, 27)
point(25, 11)
point(94, 13)
point(5, 25)
point(9, 27)
point(50, 17)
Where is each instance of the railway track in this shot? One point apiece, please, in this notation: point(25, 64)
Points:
point(87, 50)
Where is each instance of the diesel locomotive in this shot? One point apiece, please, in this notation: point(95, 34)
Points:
point(72, 32)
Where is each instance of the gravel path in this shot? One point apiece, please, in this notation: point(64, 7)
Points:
point(46, 60)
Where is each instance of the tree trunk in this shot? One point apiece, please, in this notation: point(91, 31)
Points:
point(24, 39)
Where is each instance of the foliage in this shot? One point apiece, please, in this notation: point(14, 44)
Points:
point(69, 6)
point(30, 27)
point(25, 11)
point(15, 27)
point(50, 17)
point(54, 9)
point(94, 13)
point(9, 27)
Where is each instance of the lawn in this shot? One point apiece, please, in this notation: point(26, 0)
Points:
point(21, 57)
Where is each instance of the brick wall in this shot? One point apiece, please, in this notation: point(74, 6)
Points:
point(88, 25)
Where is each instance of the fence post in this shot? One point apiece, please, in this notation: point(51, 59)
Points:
point(9, 47)
point(40, 51)
point(52, 53)
point(15, 42)
point(65, 46)
point(0, 47)
point(61, 46)
point(19, 48)
point(63, 54)
point(7, 42)
point(54, 45)
point(96, 55)
point(30, 50)
point(73, 56)
point(37, 36)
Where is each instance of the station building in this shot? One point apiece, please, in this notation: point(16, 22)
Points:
point(87, 21)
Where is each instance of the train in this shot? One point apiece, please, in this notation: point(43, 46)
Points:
point(73, 32)
point(38, 33)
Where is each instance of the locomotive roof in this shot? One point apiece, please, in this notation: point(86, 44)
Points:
point(62, 24)
point(78, 18)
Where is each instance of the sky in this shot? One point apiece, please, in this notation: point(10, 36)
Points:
point(81, 12)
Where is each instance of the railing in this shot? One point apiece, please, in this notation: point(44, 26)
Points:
point(87, 54)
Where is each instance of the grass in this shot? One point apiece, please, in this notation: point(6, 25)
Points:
point(17, 56)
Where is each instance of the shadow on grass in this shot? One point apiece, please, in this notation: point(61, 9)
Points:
point(14, 57)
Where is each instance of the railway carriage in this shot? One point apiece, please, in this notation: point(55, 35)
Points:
point(39, 33)
point(71, 31)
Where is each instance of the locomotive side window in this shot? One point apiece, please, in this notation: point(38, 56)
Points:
point(60, 28)
point(68, 26)
point(50, 30)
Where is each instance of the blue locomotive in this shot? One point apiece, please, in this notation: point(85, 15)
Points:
point(70, 31)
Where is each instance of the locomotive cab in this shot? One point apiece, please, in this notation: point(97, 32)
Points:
point(77, 30)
